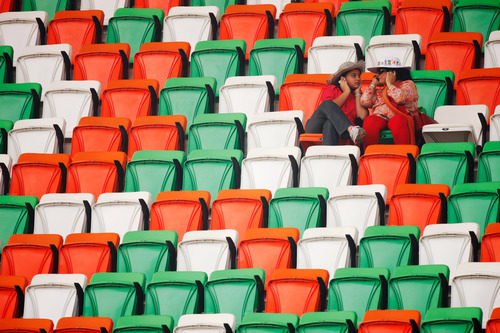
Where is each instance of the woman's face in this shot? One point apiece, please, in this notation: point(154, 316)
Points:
point(353, 78)
point(382, 74)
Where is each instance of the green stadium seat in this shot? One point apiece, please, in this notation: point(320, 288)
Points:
point(17, 215)
point(147, 252)
point(331, 321)
point(389, 246)
point(452, 320)
point(155, 171)
point(446, 163)
point(218, 131)
point(143, 324)
point(135, 26)
point(278, 57)
point(175, 293)
point(6, 59)
point(219, 59)
point(488, 165)
point(476, 16)
point(114, 295)
point(20, 100)
point(49, 6)
point(268, 323)
point(358, 290)
point(300, 208)
point(188, 97)
point(435, 88)
point(236, 291)
point(221, 4)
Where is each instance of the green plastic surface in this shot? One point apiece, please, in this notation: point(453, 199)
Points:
point(17, 100)
point(432, 89)
point(488, 165)
point(268, 323)
point(451, 320)
point(14, 216)
point(6, 51)
point(476, 16)
point(49, 6)
point(331, 321)
point(217, 131)
point(144, 324)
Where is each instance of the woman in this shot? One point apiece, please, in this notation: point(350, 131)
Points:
point(335, 117)
point(402, 92)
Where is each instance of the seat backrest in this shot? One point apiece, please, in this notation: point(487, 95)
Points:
point(21, 100)
point(6, 65)
point(163, 5)
point(471, 86)
point(217, 131)
point(491, 50)
point(383, 320)
point(63, 213)
point(467, 319)
point(487, 166)
point(434, 87)
point(493, 323)
point(210, 323)
point(327, 53)
point(17, 212)
point(465, 14)
point(26, 325)
point(50, 6)
point(107, 6)
point(404, 46)
point(332, 320)
point(12, 296)
point(84, 324)
point(489, 243)
point(151, 323)
point(254, 322)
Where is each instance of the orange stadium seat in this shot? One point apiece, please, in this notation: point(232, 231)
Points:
point(240, 210)
point(383, 321)
point(306, 21)
point(164, 5)
point(181, 211)
point(378, 159)
point(490, 243)
point(100, 134)
point(297, 291)
point(96, 173)
point(102, 62)
point(160, 61)
point(479, 86)
point(248, 22)
point(336, 4)
point(38, 174)
point(12, 296)
point(7, 5)
point(302, 92)
point(75, 27)
point(27, 255)
point(419, 205)
point(84, 325)
point(22, 325)
point(493, 324)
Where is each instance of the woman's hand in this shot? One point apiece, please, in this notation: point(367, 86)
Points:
point(357, 92)
point(343, 85)
point(375, 81)
point(390, 78)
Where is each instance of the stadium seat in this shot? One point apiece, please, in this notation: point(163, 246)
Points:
point(12, 296)
point(102, 62)
point(423, 17)
point(38, 174)
point(217, 131)
point(342, 321)
point(175, 293)
point(269, 249)
point(147, 252)
point(22, 325)
point(236, 291)
point(330, 167)
point(374, 15)
point(188, 97)
point(54, 296)
point(248, 22)
point(302, 92)
point(247, 94)
point(121, 212)
point(489, 243)
point(240, 210)
point(96, 173)
point(428, 202)
point(71, 100)
point(359, 206)
point(274, 129)
point(491, 50)
point(254, 322)
point(404, 46)
point(207, 250)
point(474, 286)
point(5, 127)
point(220, 4)
point(161, 61)
point(297, 291)
point(307, 21)
point(28, 255)
point(270, 168)
point(63, 213)
point(479, 86)
point(191, 24)
point(446, 163)
point(327, 248)
point(358, 290)
point(453, 51)
point(151, 323)
point(418, 287)
point(7, 5)
point(219, 59)
point(478, 16)
point(5, 171)
point(467, 320)
point(6, 64)
point(435, 88)
point(493, 323)
point(388, 320)
point(278, 57)
point(327, 53)
point(22, 29)
point(495, 125)
point(212, 170)
point(389, 246)
point(161, 4)
point(377, 159)
point(300, 208)
point(100, 134)
point(87, 254)
point(17, 212)
point(209, 323)
point(180, 211)
point(155, 172)
point(114, 295)
point(21, 100)
point(75, 27)
point(487, 162)
point(130, 99)
point(44, 64)
point(107, 6)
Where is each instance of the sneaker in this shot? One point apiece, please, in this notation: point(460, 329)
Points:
point(357, 134)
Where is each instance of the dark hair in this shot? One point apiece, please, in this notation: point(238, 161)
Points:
point(403, 74)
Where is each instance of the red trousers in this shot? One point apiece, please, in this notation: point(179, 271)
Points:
point(398, 125)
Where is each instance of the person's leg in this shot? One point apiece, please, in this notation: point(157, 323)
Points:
point(399, 128)
point(330, 120)
point(373, 124)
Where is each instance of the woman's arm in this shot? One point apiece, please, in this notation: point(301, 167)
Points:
point(369, 96)
point(361, 111)
point(405, 93)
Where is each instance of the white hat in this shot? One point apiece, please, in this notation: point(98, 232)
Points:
point(387, 62)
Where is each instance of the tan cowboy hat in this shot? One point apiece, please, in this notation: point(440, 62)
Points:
point(344, 68)
point(387, 62)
